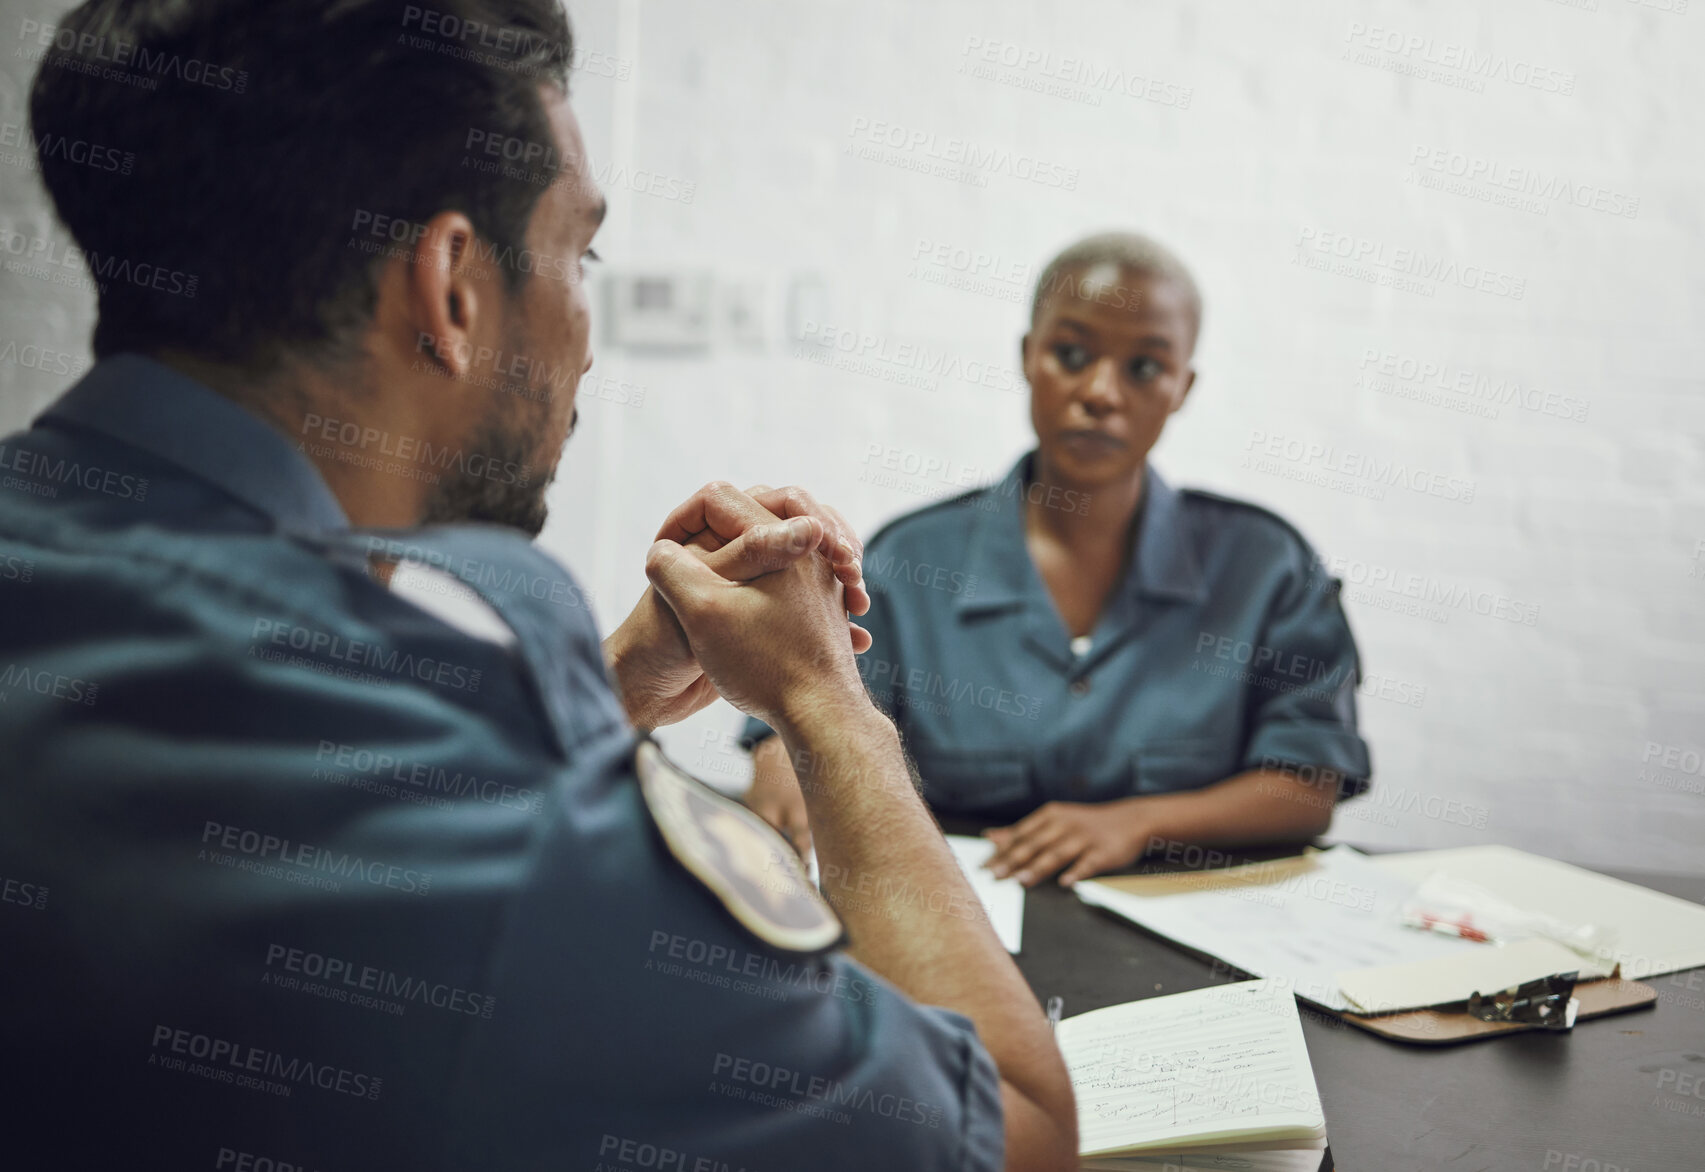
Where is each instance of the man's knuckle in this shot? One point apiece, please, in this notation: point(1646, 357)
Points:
point(713, 608)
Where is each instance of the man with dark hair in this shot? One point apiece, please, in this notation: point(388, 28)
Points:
point(326, 840)
point(251, 254)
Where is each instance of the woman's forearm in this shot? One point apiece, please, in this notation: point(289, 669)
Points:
point(1248, 809)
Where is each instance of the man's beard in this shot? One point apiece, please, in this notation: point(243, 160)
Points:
point(514, 495)
point(507, 445)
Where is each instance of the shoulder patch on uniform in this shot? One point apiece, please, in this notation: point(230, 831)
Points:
point(740, 857)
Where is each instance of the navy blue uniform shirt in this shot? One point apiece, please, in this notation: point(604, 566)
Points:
point(1224, 649)
point(292, 870)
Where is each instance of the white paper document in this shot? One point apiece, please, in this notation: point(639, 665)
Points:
point(1003, 899)
point(1222, 1072)
point(1653, 933)
point(1302, 1160)
point(1300, 921)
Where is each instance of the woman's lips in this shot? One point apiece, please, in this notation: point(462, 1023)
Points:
point(1091, 444)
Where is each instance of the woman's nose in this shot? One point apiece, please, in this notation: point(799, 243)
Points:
point(1100, 391)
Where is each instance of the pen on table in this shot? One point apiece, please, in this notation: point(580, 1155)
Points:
point(1055, 1005)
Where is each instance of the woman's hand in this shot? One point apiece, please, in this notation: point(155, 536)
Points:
point(1085, 839)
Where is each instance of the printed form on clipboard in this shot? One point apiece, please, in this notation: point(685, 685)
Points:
point(1301, 920)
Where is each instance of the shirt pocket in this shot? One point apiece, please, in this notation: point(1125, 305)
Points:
point(1164, 767)
point(968, 781)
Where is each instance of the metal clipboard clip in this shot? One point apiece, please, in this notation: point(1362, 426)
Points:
point(1547, 1003)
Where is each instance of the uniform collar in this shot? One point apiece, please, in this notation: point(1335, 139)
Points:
point(1164, 564)
point(1163, 560)
point(150, 406)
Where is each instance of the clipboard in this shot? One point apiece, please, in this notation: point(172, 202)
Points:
point(1443, 1022)
point(1452, 1024)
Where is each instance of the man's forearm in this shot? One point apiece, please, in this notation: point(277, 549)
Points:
point(1248, 809)
point(912, 916)
point(617, 660)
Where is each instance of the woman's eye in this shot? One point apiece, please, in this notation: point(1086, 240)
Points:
point(1072, 356)
point(1144, 369)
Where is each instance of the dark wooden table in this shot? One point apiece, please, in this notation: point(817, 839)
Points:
point(1597, 1099)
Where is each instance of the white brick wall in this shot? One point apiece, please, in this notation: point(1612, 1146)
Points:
point(1298, 130)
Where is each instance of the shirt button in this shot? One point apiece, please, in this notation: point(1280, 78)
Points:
point(1080, 687)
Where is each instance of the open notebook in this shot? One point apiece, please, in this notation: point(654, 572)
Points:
point(1217, 1078)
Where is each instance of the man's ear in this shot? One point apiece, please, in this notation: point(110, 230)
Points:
point(1024, 355)
point(442, 300)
